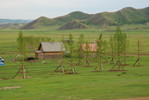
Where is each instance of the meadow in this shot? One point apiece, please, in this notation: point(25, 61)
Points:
point(45, 84)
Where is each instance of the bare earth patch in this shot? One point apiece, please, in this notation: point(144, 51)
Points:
point(22, 77)
point(7, 88)
point(2, 73)
point(141, 98)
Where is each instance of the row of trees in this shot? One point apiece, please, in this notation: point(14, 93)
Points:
point(118, 43)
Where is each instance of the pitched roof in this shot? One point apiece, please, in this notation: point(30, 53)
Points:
point(92, 47)
point(51, 47)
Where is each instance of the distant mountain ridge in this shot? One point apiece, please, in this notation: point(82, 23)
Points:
point(124, 16)
point(13, 23)
point(4, 21)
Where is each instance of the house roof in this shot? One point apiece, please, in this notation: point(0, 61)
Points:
point(92, 47)
point(51, 47)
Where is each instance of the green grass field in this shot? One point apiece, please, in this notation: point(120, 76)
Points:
point(8, 37)
point(45, 84)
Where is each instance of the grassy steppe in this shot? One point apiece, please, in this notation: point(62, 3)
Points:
point(45, 84)
point(8, 37)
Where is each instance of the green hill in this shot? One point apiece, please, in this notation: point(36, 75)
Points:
point(74, 15)
point(41, 22)
point(74, 24)
point(124, 16)
point(44, 22)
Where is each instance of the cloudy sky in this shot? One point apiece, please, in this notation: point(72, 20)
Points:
point(32, 9)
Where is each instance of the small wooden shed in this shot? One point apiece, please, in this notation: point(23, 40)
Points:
point(50, 50)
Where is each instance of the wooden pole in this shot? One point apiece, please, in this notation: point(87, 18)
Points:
point(71, 66)
point(138, 59)
point(61, 66)
point(22, 70)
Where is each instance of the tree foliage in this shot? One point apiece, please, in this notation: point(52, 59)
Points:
point(118, 42)
point(79, 47)
point(71, 45)
point(20, 42)
point(30, 43)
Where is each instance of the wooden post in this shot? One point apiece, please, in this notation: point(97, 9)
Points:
point(100, 66)
point(61, 66)
point(71, 67)
point(138, 59)
point(22, 70)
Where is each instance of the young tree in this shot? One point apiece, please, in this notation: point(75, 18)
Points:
point(99, 52)
point(71, 49)
point(118, 40)
point(125, 44)
point(111, 42)
point(22, 51)
point(87, 52)
point(79, 50)
point(71, 44)
point(102, 45)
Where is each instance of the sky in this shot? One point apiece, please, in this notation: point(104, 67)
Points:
point(32, 9)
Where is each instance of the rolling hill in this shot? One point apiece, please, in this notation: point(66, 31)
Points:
point(38, 23)
point(74, 24)
point(127, 15)
point(124, 16)
point(44, 22)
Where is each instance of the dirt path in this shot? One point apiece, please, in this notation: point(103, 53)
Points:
point(7, 88)
point(140, 98)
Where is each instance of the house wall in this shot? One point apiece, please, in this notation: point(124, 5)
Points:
point(39, 55)
point(49, 55)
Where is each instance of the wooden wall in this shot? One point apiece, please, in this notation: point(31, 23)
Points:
point(49, 55)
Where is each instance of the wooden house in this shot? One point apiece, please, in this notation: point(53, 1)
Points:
point(50, 50)
point(91, 47)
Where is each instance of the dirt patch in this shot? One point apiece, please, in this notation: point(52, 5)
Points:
point(4, 78)
point(125, 64)
point(96, 71)
point(70, 73)
point(61, 71)
point(22, 77)
point(7, 88)
point(139, 66)
point(141, 98)
point(117, 70)
point(87, 99)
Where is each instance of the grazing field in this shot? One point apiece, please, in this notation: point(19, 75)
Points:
point(8, 37)
point(45, 84)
